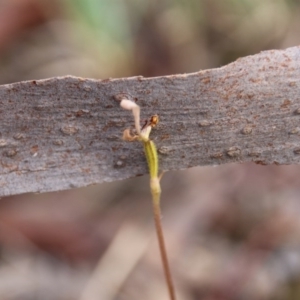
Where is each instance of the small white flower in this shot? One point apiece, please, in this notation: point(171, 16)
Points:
point(130, 105)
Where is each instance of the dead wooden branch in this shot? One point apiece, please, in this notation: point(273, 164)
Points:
point(66, 132)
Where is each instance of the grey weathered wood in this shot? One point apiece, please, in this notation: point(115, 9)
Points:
point(66, 132)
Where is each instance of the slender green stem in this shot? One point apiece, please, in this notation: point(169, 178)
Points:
point(152, 159)
point(162, 247)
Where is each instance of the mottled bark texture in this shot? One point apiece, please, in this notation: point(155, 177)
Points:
point(65, 132)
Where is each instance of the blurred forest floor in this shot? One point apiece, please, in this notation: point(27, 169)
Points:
point(233, 231)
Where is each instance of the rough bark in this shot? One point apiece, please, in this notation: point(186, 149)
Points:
point(65, 132)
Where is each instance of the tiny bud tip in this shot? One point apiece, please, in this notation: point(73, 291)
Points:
point(128, 104)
